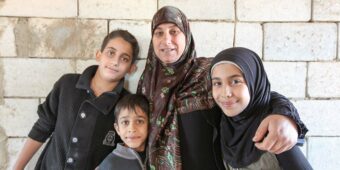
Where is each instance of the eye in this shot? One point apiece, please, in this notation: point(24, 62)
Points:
point(124, 122)
point(216, 83)
point(111, 53)
point(125, 59)
point(158, 33)
point(174, 32)
point(236, 81)
point(140, 121)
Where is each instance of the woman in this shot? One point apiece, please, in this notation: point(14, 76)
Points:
point(182, 115)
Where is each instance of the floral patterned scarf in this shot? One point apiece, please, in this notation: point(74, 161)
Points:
point(173, 89)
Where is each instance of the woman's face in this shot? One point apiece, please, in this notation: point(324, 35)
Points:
point(230, 90)
point(168, 42)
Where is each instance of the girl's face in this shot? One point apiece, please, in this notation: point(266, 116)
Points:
point(168, 42)
point(116, 60)
point(230, 90)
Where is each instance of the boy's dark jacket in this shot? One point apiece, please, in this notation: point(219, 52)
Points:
point(80, 126)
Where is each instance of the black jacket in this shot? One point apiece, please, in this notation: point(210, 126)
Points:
point(80, 125)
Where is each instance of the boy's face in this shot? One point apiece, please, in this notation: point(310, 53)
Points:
point(230, 90)
point(132, 127)
point(116, 60)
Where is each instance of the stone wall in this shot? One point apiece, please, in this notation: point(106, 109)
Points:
point(298, 40)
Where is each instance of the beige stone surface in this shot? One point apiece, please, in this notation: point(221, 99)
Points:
point(15, 146)
point(323, 79)
point(201, 9)
point(17, 116)
point(300, 41)
point(212, 37)
point(320, 116)
point(140, 29)
point(7, 38)
point(3, 149)
point(117, 9)
point(33, 77)
point(326, 10)
point(59, 38)
point(273, 10)
point(326, 149)
point(39, 8)
point(287, 78)
point(249, 35)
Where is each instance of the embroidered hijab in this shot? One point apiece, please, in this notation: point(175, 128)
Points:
point(173, 89)
point(236, 132)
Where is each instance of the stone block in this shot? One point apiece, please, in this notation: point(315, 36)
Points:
point(200, 9)
point(323, 79)
point(140, 29)
point(287, 78)
point(249, 35)
point(300, 41)
point(33, 77)
point(273, 10)
point(81, 65)
point(324, 152)
point(39, 8)
point(326, 10)
point(14, 147)
point(66, 38)
point(17, 116)
point(7, 38)
point(131, 82)
point(3, 148)
point(1, 82)
point(118, 9)
point(320, 116)
point(212, 37)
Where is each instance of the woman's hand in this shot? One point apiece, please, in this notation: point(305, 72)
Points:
point(276, 134)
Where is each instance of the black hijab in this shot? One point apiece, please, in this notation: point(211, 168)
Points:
point(237, 132)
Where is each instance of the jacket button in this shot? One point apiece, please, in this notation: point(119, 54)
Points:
point(69, 160)
point(74, 140)
point(82, 115)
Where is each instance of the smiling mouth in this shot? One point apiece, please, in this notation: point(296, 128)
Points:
point(112, 69)
point(167, 50)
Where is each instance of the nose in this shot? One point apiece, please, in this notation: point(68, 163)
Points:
point(167, 38)
point(132, 128)
point(227, 91)
point(115, 61)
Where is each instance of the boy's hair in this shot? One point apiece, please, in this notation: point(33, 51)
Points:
point(127, 36)
point(131, 102)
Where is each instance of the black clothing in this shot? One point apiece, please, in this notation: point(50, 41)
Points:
point(200, 144)
point(80, 125)
point(293, 159)
point(237, 131)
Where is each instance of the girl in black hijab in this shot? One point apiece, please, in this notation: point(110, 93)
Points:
point(242, 91)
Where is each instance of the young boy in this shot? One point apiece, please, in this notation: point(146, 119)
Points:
point(77, 115)
point(131, 124)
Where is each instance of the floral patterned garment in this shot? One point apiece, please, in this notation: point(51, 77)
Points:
point(173, 89)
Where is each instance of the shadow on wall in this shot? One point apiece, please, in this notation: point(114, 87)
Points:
point(3, 149)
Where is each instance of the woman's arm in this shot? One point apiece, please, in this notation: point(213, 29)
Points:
point(30, 148)
point(293, 159)
point(278, 132)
